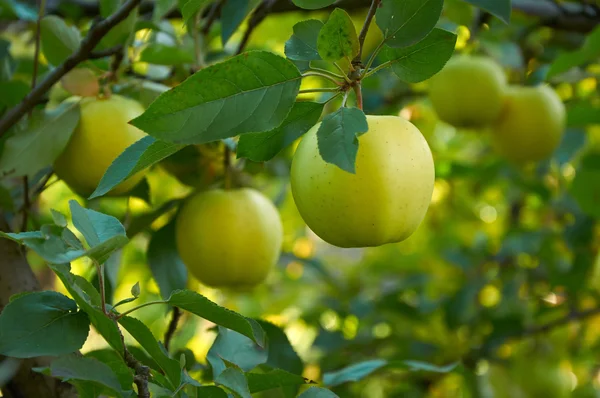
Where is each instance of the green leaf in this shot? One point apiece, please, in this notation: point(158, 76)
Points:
point(337, 38)
point(210, 392)
point(585, 188)
point(58, 40)
point(162, 54)
point(162, 8)
point(167, 268)
point(261, 147)
point(120, 33)
point(137, 157)
point(406, 22)
point(191, 7)
point(251, 92)
point(42, 140)
point(95, 226)
point(144, 336)
point(116, 363)
point(203, 307)
point(235, 381)
point(50, 246)
point(42, 323)
point(76, 368)
point(302, 46)
point(338, 137)
point(499, 8)
point(59, 218)
point(100, 253)
point(421, 61)
point(13, 91)
point(587, 53)
point(145, 220)
point(317, 392)
point(582, 113)
point(281, 352)
point(10, 9)
point(6, 200)
point(354, 372)
point(233, 14)
point(313, 4)
point(426, 367)
point(103, 324)
point(273, 379)
point(235, 348)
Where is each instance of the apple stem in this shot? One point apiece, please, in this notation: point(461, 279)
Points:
point(227, 167)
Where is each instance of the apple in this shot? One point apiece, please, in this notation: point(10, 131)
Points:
point(468, 91)
point(229, 238)
point(531, 125)
point(384, 202)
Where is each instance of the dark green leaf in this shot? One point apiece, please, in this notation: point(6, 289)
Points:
point(233, 14)
point(582, 113)
point(337, 38)
point(40, 142)
point(281, 352)
point(420, 61)
point(162, 54)
point(585, 187)
point(273, 379)
point(261, 147)
point(13, 91)
point(50, 246)
point(167, 268)
point(313, 4)
point(191, 7)
point(317, 392)
point(137, 157)
point(95, 226)
point(406, 22)
point(58, 40)
point(234, 348)
point(235, 381)
point(162, 8)
point(120, 33)
point(338, 137)
point(251, 92)
point(116, 363)
point(42, 323)
point(302, 46)
point(588, 52)
point(203, 307)
point(135, 290)
point(354, 372)
point(498, 8)
point(75, 368)
point(144, 336)
point(210, 392)
point(103, 324)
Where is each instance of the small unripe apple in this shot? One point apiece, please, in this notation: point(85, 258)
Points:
point(102, 134)
point(468, 91)
point(384, 202)
point(229, 238)
point(531, 125)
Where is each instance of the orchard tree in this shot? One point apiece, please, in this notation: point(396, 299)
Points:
point(312, 198)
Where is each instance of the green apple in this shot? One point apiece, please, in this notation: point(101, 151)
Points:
point(229, 238)
point(384, 202)
point(468, 91)
point(531, 125)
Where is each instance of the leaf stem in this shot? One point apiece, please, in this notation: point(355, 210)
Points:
point(365, 29)
point(344, 75)
point(346, 93)
point(325, 76)
point(377, 69)
point(129, 311)
point(319, 90)
point(366, 72)
point(325, 71)
point(100, 272)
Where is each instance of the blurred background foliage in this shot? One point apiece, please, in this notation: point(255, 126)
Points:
point(503, 275)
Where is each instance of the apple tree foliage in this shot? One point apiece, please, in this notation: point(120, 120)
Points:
point(504, 269)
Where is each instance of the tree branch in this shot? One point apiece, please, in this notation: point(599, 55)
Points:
point(142, 372)
point(176, 314)
point(96, 33)
point(257, 17)
point(365, 29)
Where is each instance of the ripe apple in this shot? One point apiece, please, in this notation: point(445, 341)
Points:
point(102, 134)
point(384, 202)
point(229, 238)
point(531, 124)
point(468, 91)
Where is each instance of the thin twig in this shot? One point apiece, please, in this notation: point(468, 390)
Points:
point(107, 52)
point(227, 167)
point(325, 76)
point(318, 90)
point(256, 18)
point(176, 314)
point(100, 271)
point(142, 372)
point(129, 311)
point(359, 97)
point(365, 29)
point(95, 34)
point(344, 75)
point(211, 16)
